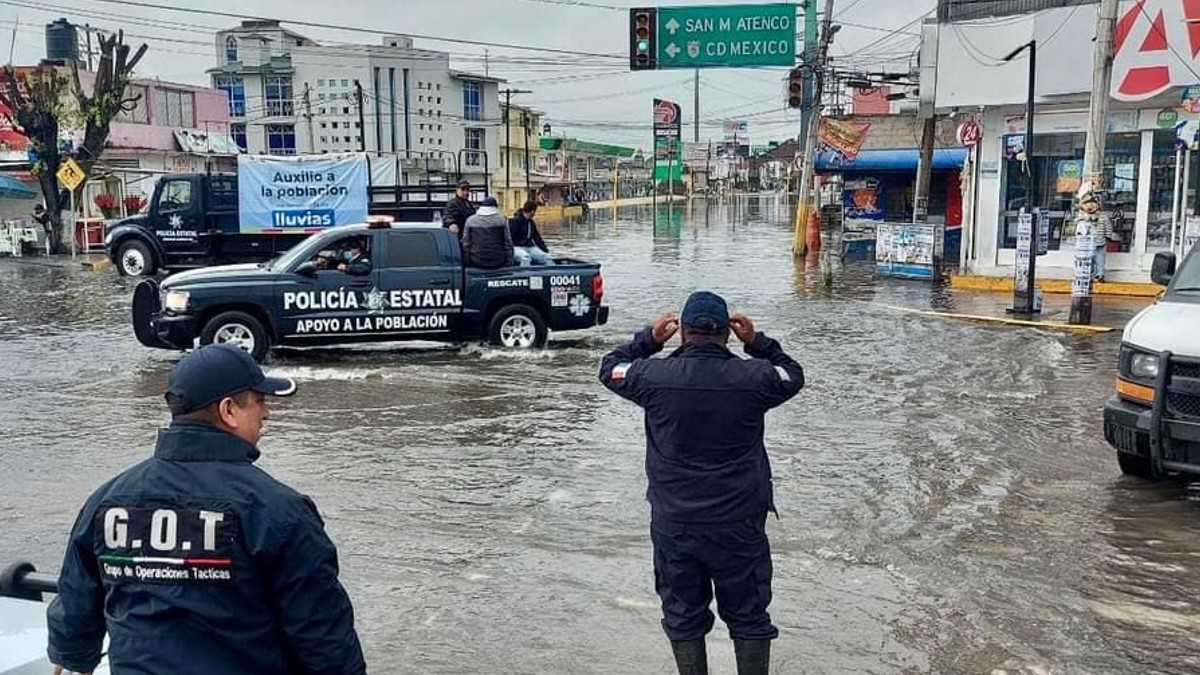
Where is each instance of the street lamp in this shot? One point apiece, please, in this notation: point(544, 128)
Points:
point(1025, 305)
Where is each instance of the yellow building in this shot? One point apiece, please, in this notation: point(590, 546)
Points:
point(515, 180)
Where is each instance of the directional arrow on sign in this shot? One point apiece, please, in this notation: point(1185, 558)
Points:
point(672, 50)
point(672, 26)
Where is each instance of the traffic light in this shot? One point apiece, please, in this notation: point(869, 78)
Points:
point(795, 87)
point(643, 24)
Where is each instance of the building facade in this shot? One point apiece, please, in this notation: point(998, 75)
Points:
point(290, 95)
point(1144, 163)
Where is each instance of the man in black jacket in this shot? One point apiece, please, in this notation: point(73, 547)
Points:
point(709, 476)
point(528, 246)
point(196, 561)
point(458, 209)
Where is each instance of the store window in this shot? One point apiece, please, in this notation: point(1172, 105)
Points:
point(1162, 191)
point(1057, 171)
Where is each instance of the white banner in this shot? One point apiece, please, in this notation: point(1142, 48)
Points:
point(301, 194)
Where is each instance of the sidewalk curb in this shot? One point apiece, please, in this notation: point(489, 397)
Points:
point(981, 318)
point(1056, 286)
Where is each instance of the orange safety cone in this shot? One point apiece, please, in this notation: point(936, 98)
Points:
point(812, 238)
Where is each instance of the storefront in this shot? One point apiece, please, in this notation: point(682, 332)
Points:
point(1139, 174)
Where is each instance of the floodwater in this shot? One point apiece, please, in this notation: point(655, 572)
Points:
point(948, 503)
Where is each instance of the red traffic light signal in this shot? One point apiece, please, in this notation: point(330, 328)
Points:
point(643, 26)
point(795, 88)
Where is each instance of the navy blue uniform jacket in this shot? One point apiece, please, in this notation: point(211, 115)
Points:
point(196, 561)
point(705, 409)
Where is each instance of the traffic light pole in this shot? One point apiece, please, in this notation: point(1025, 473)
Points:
point(814, 70)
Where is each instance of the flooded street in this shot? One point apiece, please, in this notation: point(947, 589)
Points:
point(948, 503)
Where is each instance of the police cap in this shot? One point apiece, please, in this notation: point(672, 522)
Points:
point(212, 372)
point(705, 311)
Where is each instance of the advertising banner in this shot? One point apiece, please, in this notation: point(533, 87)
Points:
point(301, 194)
point(845, 137)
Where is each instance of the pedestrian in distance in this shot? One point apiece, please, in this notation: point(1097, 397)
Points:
point(709, 476)
point(195, 560)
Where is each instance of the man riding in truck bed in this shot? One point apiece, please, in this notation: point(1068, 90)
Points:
point(486, 241)
point(458, 209)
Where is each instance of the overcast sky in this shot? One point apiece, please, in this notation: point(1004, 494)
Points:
point(607, 102)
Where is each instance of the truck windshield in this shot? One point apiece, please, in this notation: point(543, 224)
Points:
point(1187, 277)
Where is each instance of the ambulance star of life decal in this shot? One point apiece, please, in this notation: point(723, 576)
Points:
point(176, 221)
point(375, 300)
point(580, 305)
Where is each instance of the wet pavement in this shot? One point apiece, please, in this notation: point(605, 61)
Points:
point(948, 502)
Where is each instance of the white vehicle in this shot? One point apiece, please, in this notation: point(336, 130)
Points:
point(1153, 420)
point(23, 631)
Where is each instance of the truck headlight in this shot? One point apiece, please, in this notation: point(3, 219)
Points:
point(176, 301)
point(1143, 366)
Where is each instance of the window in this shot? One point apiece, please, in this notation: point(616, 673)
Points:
point(235, 91)
point(333, 125)
point(279, 96)
point(439, 141)
point(472, 110)
point(320, 97)
point(320, 111)
point(439, 100)
point(474, 142)
point(345, 110)
point(412, 249)
point(345, 83)
point(422, 126)
point(231, 49)
point(324, 139)
point(358, 139)
point(421, 140)
point(439, 127)
point(357, 125)
point(176, 195)
point(320, 83)
point(439, 113)
point(345, 139)
point(281, 139)
point(238, 132)
point(420, 99)
point(173, 108)
point(140, 111)
point(439, 87)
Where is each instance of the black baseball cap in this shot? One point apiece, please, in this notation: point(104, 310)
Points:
point(213, 372)
point(705, 311)
point(464, 184)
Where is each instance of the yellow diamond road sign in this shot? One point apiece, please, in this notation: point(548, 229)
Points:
point(69, 174)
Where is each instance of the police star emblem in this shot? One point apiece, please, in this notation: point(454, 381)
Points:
point(376, 300)
point(175, 221)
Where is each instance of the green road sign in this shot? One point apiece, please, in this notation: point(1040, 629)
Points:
point(734, 36)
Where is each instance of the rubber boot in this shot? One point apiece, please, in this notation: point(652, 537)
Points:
point(690, 657)
point(753, 656)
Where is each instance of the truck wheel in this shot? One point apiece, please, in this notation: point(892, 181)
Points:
point(134, 259)
point(238, 329)
point(1135, 465)
point(518, 327)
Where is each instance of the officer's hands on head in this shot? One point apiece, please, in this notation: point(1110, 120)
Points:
point(664, 328)
point(743, 328)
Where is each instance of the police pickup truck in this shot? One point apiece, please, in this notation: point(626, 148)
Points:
point(1153, 419)
point(372, 282)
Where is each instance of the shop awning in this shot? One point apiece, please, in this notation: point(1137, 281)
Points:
point(892, 160)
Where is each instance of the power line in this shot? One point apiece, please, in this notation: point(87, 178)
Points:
point(355, 29)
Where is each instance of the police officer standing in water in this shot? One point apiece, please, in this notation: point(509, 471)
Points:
point(709, 476)
point(196, 561)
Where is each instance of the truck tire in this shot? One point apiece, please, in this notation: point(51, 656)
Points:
point(134, 259)
point(518, 327)
point(238, 329)
point(1135, 465)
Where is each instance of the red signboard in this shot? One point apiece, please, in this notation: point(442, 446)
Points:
point(1155, 48)
point(969, 133)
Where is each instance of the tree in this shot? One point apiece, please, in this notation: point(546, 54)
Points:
point(42, 106)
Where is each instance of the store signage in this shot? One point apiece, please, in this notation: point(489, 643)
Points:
point(969, 133)
point(1167, 118)
point(1153, 39)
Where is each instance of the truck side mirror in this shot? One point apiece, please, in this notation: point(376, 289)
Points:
point(1163, 268)
point(307, 269)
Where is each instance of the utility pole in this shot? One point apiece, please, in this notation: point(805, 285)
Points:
point(312, 142)
point(924, 171)
point(508, 138)
point(525, 127)
point(1023, 297)
point(696, 112)
point(816, 70)
point(1093, 154)
point(362, 126)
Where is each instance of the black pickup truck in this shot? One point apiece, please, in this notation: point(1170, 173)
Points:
point(376, 282)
